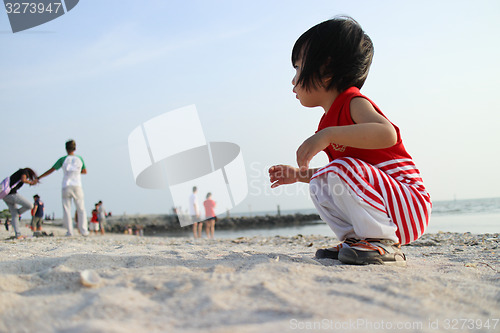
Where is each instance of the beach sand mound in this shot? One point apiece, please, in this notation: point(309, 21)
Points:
point(258, 284)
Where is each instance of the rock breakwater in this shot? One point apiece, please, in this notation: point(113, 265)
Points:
point(165, 223)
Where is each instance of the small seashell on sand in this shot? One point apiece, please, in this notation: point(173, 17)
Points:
point(90, 278)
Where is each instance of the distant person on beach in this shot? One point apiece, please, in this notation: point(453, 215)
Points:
point(14, 199)
point(37, 214)
point(210, 217)
point(101, 216)
point(371, 193)
point(73, 167)
point(194, 211)
point(94, 222)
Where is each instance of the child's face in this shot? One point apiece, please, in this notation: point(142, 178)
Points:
point(312, 98)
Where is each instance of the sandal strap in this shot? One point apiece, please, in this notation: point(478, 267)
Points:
point(346, 243)
point(367, 245)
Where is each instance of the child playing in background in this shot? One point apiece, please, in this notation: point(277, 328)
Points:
point(94, 222)
point(371, 193)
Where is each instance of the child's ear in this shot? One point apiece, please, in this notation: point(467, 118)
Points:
point(325, 73)
point(325, 81)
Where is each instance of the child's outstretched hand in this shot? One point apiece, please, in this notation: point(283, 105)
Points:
point(309, 148)
point(283, 174)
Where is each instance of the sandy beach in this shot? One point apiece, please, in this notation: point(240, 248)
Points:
point(258, 284)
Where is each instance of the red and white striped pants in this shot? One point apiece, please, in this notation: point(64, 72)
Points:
point(359, 200)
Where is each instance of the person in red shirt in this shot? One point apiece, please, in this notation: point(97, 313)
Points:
point(94, 221)
point(210, 216)
point(370, 194)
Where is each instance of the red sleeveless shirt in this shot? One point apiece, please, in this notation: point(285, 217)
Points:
point(340, 115)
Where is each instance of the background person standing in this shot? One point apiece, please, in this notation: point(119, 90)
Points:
point(72, 166)
point(210, 216)
point(38, 209)
point(101, 216)
point(194, 211)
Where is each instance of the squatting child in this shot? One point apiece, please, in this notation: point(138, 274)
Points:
point(371, 193)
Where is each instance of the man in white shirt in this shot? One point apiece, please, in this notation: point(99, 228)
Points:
point(194, 211)
point(72, 166)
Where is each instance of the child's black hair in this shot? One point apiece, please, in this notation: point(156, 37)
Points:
point(30, 174)
point(336, 54)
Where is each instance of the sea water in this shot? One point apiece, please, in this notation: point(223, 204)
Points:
point(478, 216)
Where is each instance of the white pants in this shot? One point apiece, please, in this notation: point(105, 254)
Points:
point(346, 213)
point(74, 193)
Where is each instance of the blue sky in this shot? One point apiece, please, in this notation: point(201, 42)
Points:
point(99, 71)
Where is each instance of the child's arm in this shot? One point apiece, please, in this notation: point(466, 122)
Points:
point(287, 174)
point(370, 131)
